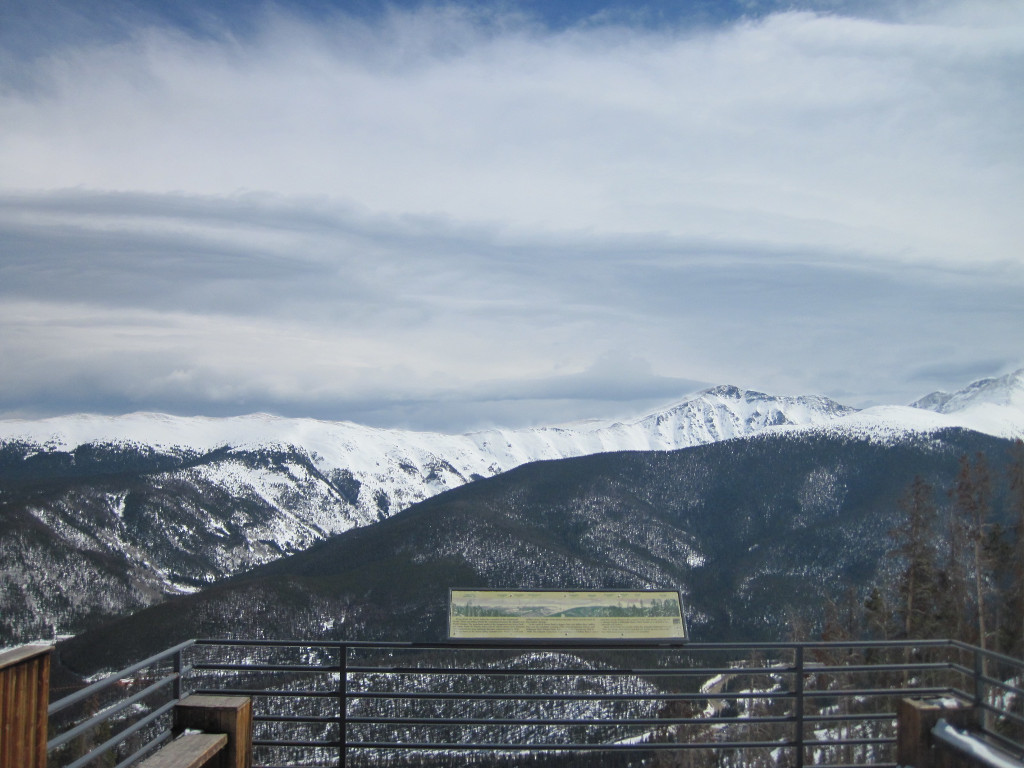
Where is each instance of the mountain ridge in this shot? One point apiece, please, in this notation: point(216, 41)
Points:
point(747, 530)
point(386, 470)
point(1005, 390)
point(750, 410)
point(129, 523)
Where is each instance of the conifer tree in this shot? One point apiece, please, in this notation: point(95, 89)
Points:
point(918, 583)
point(952, 581)
point(971, 495)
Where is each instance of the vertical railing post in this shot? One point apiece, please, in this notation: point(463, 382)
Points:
point(177, 667)
point(979, 690)
point(984, 717)
point(799, 714)
point(342, 704)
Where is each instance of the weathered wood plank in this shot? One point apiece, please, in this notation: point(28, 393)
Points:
point(6, 727)
point(24, 698)
point(22, 654)
point(192, 750)
point(42, 720)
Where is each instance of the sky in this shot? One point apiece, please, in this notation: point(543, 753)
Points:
point(448, 216)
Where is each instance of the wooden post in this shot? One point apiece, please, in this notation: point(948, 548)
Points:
point(219, 714)
point(915, 720)
point(24, 699)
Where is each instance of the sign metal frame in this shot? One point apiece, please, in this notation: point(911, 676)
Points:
point(587, 616)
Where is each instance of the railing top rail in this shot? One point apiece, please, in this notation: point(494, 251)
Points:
point(631, 645)
point(1002, 657)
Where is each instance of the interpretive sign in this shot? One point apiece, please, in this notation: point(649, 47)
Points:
point(494, 614)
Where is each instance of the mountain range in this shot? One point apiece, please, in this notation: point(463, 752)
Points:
point(102, 516)
point(757, 534)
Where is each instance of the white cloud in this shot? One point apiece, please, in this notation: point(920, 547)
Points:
point(797, 129)
point(445, 203)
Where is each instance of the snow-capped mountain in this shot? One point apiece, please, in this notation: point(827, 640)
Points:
point(1003, 395)
point(102, 515)
point(990, 406)
point(752, 532)
point(377, 472)
point(381, 471)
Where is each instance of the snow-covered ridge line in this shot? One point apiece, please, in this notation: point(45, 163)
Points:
point(991, 406)
point(708, 416)
point(887, 424)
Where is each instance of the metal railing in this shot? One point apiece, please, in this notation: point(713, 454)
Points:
point(717, 704)
point(125, 712)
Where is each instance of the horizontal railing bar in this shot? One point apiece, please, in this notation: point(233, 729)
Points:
point(984, 705)
point(858, 717)
point(575, 672)
point(1008, 714)
point(611, 672)
point(106, 714)
point(465, 696)
point(441, 721)
point(613, 747)
point(1007, 687)
point(99, 685)
point(467, 671)
point(264, 692)
point(1002, 657)
point(118, 738)
point(853, 717)
point(631, 645)
point(860, 668)
point(858, 742)
point(208, 666)
point(145, 749)
point(296, 743)
point(274, 643)
point(849, 693)
point(298, 719)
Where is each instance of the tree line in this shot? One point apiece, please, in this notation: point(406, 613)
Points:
point(956, 565)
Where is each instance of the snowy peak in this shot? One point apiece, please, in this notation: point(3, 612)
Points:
point(1006, 390)
point(725, 412)
point(760, 410)
point(990, 406)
